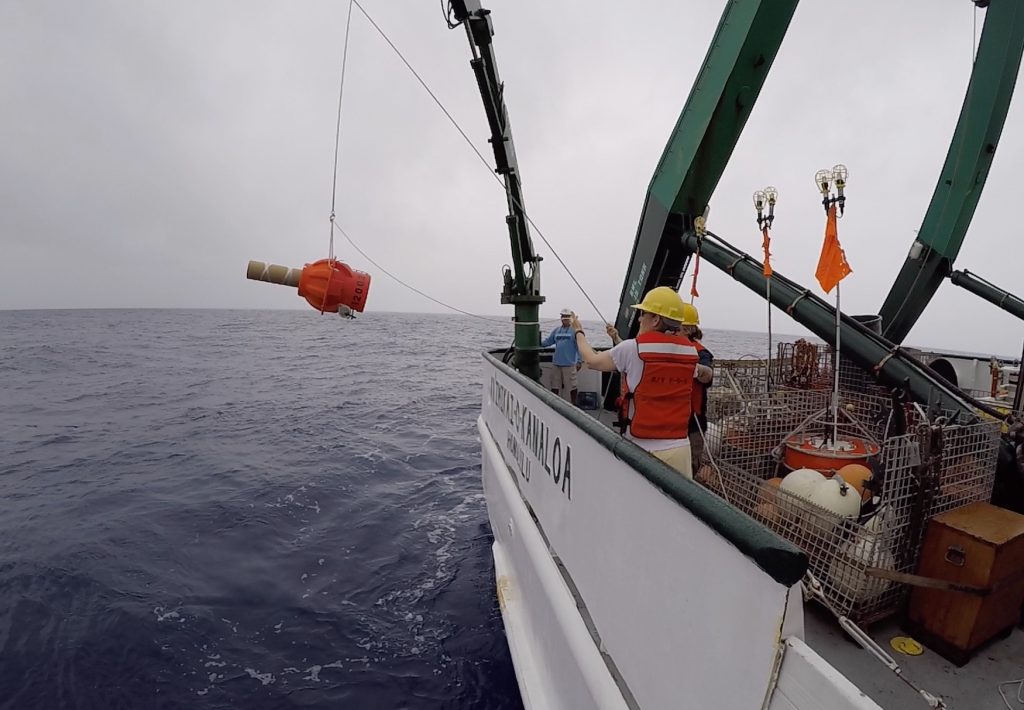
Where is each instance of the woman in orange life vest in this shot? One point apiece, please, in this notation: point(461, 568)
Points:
point(689, 327)
point(659, 367)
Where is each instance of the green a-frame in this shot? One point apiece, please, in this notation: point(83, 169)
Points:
point(742, 51)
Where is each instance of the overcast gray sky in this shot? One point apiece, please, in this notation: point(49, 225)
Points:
point(152, 148)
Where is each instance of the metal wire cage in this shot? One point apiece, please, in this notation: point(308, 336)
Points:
point(806, 365)
point(928, 470)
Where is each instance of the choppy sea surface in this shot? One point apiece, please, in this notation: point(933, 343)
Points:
point(249, 509)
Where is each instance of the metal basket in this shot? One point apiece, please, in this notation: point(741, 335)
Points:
point(742, 452)
point(806, 365)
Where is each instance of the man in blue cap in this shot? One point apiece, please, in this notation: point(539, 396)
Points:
point(566, 359)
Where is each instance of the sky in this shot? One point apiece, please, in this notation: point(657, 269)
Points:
point(151, 149)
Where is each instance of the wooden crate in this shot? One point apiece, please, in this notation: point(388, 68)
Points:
point(980, 546)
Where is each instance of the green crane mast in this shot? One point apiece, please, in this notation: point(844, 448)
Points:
point(522, 281)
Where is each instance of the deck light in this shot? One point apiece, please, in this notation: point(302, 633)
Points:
point(840, 174)
point(773, 196)
point(759, 200)
point(823, 179)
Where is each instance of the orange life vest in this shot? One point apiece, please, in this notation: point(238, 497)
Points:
point(659, 405)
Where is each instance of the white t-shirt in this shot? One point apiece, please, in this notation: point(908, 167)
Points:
point(627, 361)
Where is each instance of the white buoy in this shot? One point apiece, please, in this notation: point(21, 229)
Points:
point(837, 497)
point(847, 576)
point(801, 482)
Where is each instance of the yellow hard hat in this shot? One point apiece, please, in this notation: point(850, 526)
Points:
point(662, 301)
point(690, 315)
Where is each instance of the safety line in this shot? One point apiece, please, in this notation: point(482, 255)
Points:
point(427, 296)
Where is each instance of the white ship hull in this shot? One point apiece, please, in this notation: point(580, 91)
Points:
point(623, 585)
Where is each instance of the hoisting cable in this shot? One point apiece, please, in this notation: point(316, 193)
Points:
point(334, 187)
point(416, 290)
point(480, 156)
point(337, 129)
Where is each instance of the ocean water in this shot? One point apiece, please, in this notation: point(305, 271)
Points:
point(248, 509)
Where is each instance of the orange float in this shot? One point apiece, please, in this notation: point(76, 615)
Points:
point(328, 283)
point(857, 475)
point(814, 451)
point(767, 493)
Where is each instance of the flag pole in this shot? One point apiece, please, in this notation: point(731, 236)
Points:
point(835, 392)
point(768, 297)
point(770, 196)
point(832, 266)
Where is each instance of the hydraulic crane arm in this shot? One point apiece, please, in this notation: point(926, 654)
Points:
point(989, 291)
point(964, 172)
point(742, 51)
point(521, 283)
point(872, 352)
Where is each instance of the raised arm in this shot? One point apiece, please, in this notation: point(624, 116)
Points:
point(595, 361)
point(613, 334)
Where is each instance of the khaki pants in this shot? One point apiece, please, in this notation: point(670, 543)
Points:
point(563, 379)
point(678, 458)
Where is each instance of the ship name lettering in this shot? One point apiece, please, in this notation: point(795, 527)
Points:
point(528, 433)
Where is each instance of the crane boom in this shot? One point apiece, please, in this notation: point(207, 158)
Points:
point(521, 286)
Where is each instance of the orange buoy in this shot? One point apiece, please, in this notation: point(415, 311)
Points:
point(328, 283)
point(813, 451)
point(767, 492)
point(857, 475)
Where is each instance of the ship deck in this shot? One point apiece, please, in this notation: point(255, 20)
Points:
point(975, 686)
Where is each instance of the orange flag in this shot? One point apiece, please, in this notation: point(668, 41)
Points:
point(832, 266)
point(765, 244)
point(693, 284)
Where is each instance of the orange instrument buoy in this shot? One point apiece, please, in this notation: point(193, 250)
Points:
point(815, 452)
point(328, 285)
